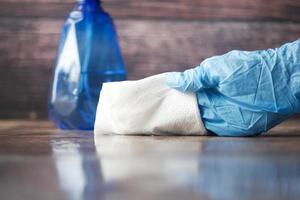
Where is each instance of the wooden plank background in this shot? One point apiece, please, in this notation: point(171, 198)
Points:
point(155, 36)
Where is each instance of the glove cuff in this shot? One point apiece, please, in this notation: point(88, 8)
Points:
point(145, 107)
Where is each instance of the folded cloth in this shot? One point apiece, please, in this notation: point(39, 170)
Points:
point(147, 106)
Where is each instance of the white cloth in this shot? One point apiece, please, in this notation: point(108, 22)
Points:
point(147, 106)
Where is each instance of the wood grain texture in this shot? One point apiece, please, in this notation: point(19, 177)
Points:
point(257, 10)
point(149, 47)
point(155, 36)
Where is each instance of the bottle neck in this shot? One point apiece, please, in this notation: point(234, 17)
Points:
point(89, 5)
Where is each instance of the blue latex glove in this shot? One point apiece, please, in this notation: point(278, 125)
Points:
point(244, 93)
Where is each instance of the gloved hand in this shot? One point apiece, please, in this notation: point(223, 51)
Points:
point(244, 93)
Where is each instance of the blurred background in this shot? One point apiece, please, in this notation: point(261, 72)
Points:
point(155, 36)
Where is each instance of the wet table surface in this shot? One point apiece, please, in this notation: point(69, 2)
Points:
point(38, 161)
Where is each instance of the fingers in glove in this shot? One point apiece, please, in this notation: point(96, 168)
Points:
point(191, 80)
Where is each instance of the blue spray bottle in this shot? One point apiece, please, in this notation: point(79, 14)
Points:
point(88, 55)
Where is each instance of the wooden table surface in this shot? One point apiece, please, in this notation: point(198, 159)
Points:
point(38, 161)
